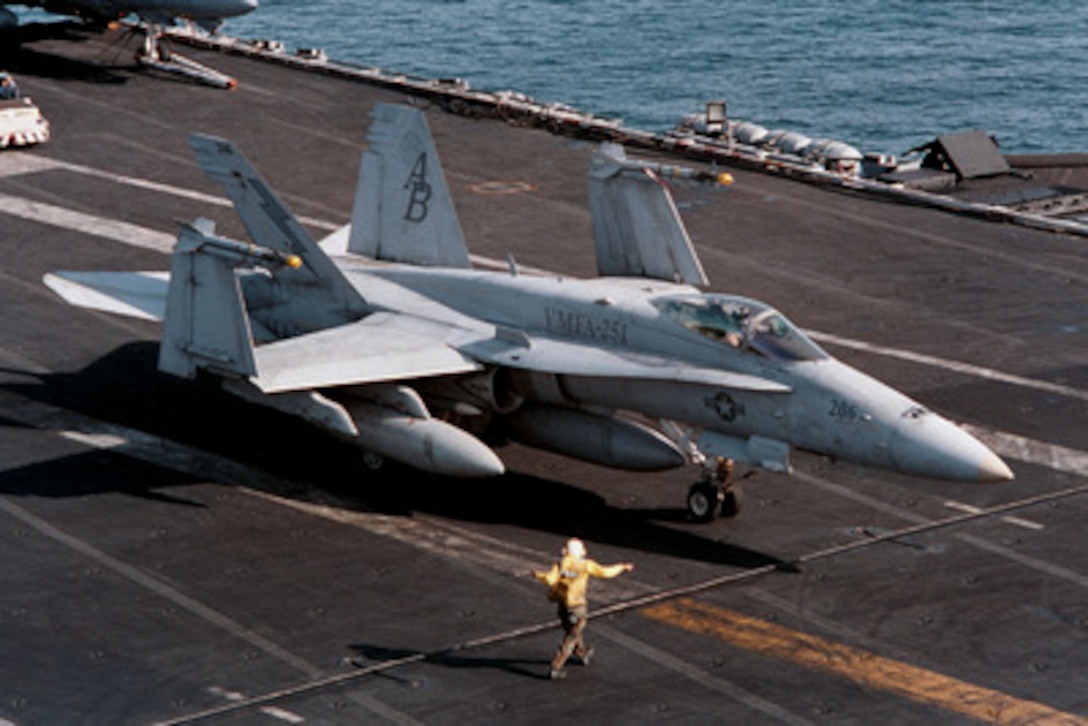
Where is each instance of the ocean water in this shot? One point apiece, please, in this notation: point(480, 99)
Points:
point(884, 75)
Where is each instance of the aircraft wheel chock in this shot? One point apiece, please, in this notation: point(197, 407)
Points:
point(732, 501)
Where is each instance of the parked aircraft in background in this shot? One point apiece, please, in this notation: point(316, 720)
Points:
point(384, 334)
point(153, 15)
point(209, 14)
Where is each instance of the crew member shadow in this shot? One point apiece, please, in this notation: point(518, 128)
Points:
point(124, 389)
point(391, 657)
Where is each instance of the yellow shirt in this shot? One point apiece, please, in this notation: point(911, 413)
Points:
point(568, 579)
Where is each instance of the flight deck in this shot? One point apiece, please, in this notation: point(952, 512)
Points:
point(173, 555)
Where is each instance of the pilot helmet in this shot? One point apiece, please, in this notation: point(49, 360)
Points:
point(575, 548)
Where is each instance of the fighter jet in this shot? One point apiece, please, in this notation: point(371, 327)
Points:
point(209, 14)
point(385, 335)
point(154, 15)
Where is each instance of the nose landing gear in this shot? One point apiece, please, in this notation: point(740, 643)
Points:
point(154, 54)
point(716, 492)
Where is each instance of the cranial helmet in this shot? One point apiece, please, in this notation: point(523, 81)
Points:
point(575, 548)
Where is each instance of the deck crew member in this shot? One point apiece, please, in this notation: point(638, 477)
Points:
point(8, 89)
point(567, 581)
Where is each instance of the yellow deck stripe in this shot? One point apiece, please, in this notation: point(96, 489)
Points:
point(862, 667)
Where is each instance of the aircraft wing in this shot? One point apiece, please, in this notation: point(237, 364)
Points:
point(380, 347)
point(514, 349)
point(386, 346)
point(390, 347)
point(134, 294)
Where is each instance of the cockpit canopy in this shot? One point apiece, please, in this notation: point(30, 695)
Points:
point(741, 323)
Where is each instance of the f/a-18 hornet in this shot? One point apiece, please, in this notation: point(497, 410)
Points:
point(383, 334)
point(208, 14)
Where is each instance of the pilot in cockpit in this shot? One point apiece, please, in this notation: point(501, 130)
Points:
point(729, 321)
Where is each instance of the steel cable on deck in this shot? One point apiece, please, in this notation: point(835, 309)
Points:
point(624, 606)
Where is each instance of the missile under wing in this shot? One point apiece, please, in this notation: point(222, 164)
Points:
point(384, 335)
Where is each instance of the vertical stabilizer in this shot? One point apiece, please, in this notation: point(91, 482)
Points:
point(403, 209)
point(206, 325)
point(271, 224)
point(636, 226)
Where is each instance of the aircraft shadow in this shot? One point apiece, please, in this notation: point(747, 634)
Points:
point(21, 60)
point(111, 65)
point(124, 388)
point(95, 472)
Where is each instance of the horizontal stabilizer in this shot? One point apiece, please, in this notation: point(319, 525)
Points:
point(381, 347)
point(568, 359)
point(133, 294)
point(636, 226)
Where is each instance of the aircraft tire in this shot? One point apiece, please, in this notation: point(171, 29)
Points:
point(703, 501)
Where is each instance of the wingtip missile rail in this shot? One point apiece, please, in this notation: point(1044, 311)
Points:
point(199, 235)
point(615, 154)
point(682, 172)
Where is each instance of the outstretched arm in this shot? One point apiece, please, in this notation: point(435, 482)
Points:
point(607, 571)
point(550, 576)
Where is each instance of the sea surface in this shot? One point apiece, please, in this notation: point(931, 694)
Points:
point(883, 75)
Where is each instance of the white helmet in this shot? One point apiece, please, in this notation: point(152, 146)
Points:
point(575, 548)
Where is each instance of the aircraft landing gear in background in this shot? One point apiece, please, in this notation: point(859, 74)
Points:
point(716, 492)
point(155, 54)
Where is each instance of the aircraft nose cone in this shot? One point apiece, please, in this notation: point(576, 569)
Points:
point(230, 8)
point(217, 10)
point(993, 469)
point(928, 445)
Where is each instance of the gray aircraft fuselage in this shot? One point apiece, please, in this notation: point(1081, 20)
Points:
point(385, 336)
point(822, 405)
point(190, 9)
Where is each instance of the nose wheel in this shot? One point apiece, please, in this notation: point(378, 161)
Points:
point(716, 493)
point(703, 501)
